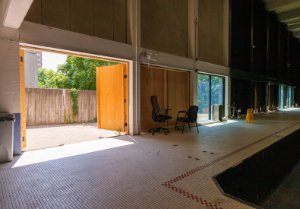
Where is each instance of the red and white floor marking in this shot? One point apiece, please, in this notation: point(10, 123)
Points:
point(170, 184)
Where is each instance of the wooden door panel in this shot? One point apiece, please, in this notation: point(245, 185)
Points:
point(22, 100)
point(111, 95)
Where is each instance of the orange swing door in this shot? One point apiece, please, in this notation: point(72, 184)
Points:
point(112, 97)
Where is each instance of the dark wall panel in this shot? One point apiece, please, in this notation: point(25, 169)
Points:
point(164, 26)
point(261, 96)
point(241, 94)
point(282, 53)
point(259, 37)
point(297, 95)
point(240, 41)
point(272, 57)
point(273, 96)
point(295, 61)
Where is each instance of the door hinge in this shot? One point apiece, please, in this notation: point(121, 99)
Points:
point(125, 124)
point(124, 100)
point(21, 58)
point(125, 76)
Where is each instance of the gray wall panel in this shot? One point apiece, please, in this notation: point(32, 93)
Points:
point(164, 26)
point(81, 15)
point(103, 18)
point(56, 13)
point(211, 31)
point(100, 18)
point(35, 12)
point(120, 20)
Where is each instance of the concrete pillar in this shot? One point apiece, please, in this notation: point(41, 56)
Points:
point(14, 12)
point(192, 28)
point(226, 32)
point(193, 47)
point(134, 37)
point(226, 55)
point(227, 96)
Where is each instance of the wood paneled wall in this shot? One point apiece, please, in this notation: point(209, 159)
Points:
point(178, 92)
point(172, 91)
point(152, 83)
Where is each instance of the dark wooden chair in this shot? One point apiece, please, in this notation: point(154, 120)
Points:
point(189, 117)
point(158, 117)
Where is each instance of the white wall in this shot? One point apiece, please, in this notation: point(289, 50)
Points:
point(9, 77)
point(9, 69)
point(31, 69)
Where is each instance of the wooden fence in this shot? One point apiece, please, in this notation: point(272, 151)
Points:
point(54, 106)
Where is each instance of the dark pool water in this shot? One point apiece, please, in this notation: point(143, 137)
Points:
point(269, 179)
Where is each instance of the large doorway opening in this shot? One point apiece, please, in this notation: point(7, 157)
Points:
point(82, 98)
point(211, 91)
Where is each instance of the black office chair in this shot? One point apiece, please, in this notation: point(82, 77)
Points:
point(159, 118)
point(189, 117)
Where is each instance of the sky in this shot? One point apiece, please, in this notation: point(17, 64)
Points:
point(52, 60)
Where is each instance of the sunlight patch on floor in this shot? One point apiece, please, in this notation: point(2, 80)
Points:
point(44, 155)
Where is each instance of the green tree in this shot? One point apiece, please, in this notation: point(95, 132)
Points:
point(76, 73)
point(81, 72)
point(48, 78)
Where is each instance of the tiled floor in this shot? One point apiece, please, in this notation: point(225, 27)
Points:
point(145, 171)
point(39, 137)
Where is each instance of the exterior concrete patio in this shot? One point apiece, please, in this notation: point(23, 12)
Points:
point(39, 137)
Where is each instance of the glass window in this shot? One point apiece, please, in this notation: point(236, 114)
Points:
point(203, 97)
point(289, 96)
point(210, 92)
point(217, 90)
point(281, 97)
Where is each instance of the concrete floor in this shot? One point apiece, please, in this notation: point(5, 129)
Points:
point(39, 137)
point(145, 171)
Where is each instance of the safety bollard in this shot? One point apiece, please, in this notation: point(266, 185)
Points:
point(249, 116)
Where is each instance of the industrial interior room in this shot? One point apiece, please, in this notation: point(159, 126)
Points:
point(200, 99)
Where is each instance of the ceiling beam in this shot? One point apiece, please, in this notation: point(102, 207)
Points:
point(282, 5)
point(14, 12)
point(296, 33)
point(289, 16)
point(294, 27)
point(291, 22)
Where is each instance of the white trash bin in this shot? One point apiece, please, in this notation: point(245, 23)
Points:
point(6, 137)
